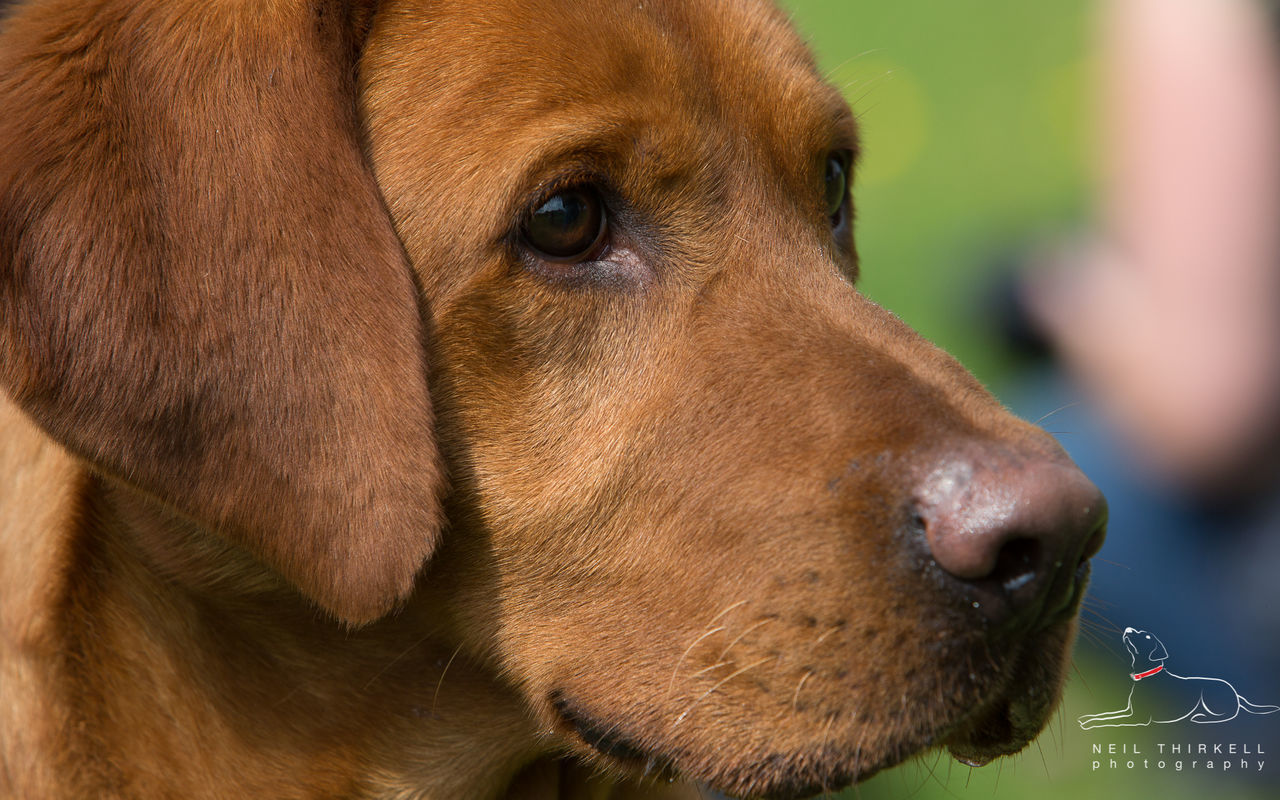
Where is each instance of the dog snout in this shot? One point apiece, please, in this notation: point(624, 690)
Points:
point(1013, 535)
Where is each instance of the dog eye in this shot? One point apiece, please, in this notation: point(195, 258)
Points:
point(568, 226)
point(836, 184)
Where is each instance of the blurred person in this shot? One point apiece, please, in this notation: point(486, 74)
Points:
point(1171, 316)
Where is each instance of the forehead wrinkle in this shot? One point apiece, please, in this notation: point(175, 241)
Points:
point(616, 143)
point(562, 148)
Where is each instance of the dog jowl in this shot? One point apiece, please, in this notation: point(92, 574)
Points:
point(710, 512)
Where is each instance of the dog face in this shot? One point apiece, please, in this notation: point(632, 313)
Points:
point(710, 508)
point(686, 461)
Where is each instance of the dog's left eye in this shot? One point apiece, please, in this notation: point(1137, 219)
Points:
point(569, 225)
point(836, 184)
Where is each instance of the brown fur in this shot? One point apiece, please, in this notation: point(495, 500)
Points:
point(237, 242)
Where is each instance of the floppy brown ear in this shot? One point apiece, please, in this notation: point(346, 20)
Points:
point(200, 290)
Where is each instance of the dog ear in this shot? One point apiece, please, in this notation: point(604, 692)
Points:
point(1158, 653)
point(201, 293)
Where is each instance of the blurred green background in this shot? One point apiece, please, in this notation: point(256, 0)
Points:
point(976, 133)
point(977, 123)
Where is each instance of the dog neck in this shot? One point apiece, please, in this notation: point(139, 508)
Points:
point(262, 694)
point(1137, 676)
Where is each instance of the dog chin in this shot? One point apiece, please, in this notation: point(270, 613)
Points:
point(1015, 714)
point(998, 719)
point(778, 776)
point(1003, 729)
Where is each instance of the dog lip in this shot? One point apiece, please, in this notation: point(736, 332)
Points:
point(608, 742)
point(1063, 603)
point(781, 776)
point(1059, 604)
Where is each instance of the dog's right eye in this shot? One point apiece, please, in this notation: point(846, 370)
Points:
point(835, 185)
point(569, 226)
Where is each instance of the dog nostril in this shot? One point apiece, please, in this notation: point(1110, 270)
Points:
point(1017, 564)
point(920, 525)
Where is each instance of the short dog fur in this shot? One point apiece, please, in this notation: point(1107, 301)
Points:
point(317, 480)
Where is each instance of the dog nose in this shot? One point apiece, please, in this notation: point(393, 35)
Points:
point(1017, 533)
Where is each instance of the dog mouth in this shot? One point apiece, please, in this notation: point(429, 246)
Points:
point(609, 741)
point(1002, 726)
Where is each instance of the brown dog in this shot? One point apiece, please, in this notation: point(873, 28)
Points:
point(270, 271)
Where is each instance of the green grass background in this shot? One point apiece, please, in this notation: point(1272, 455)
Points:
point(976, 124)
point(977, 121)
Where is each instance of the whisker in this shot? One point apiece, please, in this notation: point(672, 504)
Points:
point(1099, 623)
point(795, 697)
point(391, 663)
point(680, 661)
point(1110, 563)
point(1044, 761)
point(857, 753)
point(933, 776)
point(1093, 638)
point(436, 695)
point(826, 732)
point(831, 73)
point(671, 683)
point(719, 683)
point(868, 85)
point(711, 668)
point(829, 631)
point(1061, 752)
point(1057, 410)
point(1083, 682)
point(1094, 607)
point(749, 629)
point(731, 607)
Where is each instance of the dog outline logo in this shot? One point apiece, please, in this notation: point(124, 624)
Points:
point(1202, 700)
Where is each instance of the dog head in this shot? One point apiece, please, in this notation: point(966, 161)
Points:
point(710, 507)
point(1144, 646)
